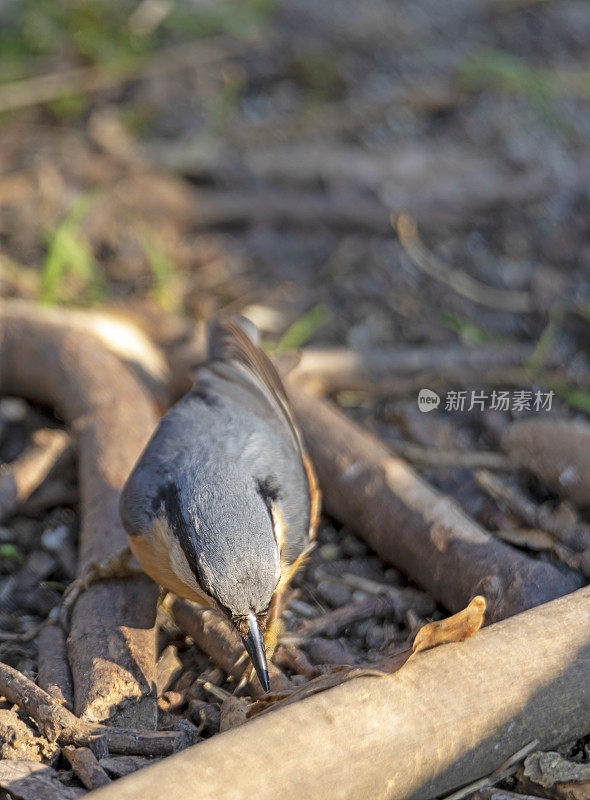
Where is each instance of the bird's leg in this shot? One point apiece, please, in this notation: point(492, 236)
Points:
point(274, 624)
point(114, 566)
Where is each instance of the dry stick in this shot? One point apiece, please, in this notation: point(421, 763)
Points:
point(85, 765)
point(431, 457)
point(112, 639)
point(504, 771)
point(449, 716)
point(573, 538)
point(215, 637)
point(390, 602)
point(573, 534)
point(407, 599)
point(459, 282)
point(501, 794)
point(344, 116)
point(96, 78)
point(414, 527)
point(20, 478)
point(381, 370)
point(54, 674)
point(215, 208)
point(56, 722)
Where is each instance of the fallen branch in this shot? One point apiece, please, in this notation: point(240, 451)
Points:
point(414, 527)
point(20, 478)
point(112, 640)
point(57, 723)
point(402, 735)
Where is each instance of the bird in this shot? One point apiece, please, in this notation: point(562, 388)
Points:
point(223, 504)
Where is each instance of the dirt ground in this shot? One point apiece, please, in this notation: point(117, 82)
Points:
point(202, 158)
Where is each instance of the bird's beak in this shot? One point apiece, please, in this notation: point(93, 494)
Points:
point(254, 645)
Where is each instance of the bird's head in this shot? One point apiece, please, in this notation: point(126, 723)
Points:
point(237, 557)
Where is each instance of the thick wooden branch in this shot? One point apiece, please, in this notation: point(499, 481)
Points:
point(112, 642)
point(414, 527)
point(449, 716)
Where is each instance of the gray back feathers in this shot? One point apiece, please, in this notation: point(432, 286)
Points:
point(218, 460)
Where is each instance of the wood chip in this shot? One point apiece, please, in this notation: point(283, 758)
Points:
point(84, 763)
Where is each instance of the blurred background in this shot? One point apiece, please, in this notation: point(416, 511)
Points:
point(367, 175)
point(407, 181)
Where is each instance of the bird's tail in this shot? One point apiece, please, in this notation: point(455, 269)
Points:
point(218, 330)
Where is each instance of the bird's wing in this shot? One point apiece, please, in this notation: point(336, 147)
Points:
point(229, 342)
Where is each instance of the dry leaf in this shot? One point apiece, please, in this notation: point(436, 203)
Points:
point(457, 628)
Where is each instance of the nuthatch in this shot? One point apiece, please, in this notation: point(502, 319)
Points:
point(223, 503)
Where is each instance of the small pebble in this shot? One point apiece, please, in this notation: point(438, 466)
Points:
point(351, 546)
point(375, 637)
point(6, 535)
point(13, 409)
point(328, 651)
point(53, 539)
point(329, 552)
point(334, 593)
point(361, 628)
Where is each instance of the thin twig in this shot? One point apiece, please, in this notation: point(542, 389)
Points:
point(473, 459)
point(504, 771)
point(458, 281)
point(89, 79)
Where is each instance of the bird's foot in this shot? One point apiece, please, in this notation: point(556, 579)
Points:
point(115, 566)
